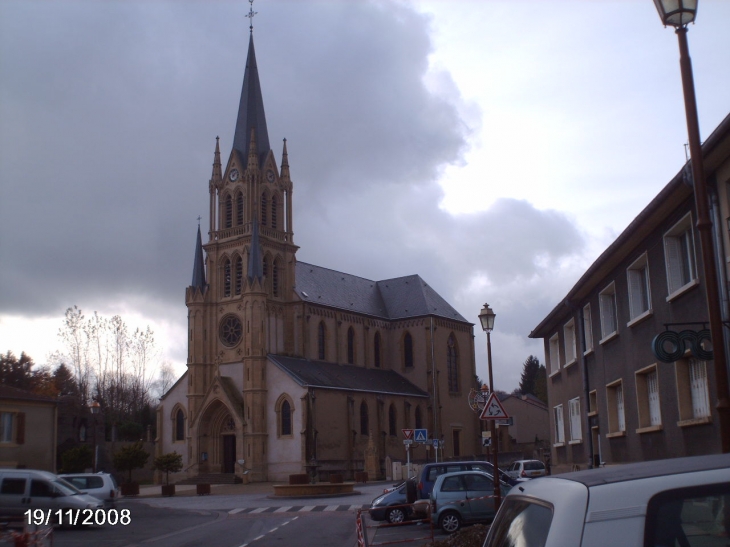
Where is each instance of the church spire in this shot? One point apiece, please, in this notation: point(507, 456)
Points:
point(199, 264)
point(251, 110)
point(217, 174)
point(284, 163)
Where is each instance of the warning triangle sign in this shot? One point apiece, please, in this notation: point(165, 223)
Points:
point(407, 433)
point(493, 410)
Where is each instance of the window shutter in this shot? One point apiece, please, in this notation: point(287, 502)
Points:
point(635, 293)
point(20, 428)
point(652, 386)
point(620, 408)
point(673, 250)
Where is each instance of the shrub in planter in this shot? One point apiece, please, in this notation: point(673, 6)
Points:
point(129, 458)
point(299, 478)
point(168, 463)
point(336, 478)
point(203, 489)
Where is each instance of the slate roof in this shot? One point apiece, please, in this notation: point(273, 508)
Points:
point(323, 375)
point(8, 392)
point(397, 298)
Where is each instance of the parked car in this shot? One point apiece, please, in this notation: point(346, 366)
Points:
point(526, 469)
point(431, 471)
point(394, 505)
point(681, 501)
point(23, 489)
point(462, 497)
point(102, 486)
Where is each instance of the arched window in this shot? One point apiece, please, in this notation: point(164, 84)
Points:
point(275, 278)
point(419, 419)
point(239, 274)
point(226, 277)
point(392, 424)
point(408, 350)
point(376, 350)
point(285, 417)
point(351, 345)
point(229, 212)
point(274, 203)
point(239, 208)
point(364, 423)
point(321, 339)
point(264, 208)
point(179, 425)
point(266, 266)
point(452, 363)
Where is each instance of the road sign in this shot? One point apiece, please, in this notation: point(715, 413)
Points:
point(407, 433)
point(407, 442)
point(435, 443)
point(508, 421)
point(421, 435)
point(493, 410)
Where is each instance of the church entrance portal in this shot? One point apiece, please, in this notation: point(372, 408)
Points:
point(229, 454)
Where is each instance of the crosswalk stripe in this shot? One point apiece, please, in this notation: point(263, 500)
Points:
point(260, 510)
point(331, 508)
point(307, 508)
point(283, 509)
point(234, 511)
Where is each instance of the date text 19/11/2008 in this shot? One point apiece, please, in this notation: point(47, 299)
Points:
point(78, 517)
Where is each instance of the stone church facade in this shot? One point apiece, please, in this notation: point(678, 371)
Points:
point(289, 362)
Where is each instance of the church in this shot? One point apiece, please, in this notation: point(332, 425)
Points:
point(291, 364)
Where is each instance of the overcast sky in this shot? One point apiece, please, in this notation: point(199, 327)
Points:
point(495, 148)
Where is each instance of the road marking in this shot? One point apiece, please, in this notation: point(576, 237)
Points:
point(234, 511)
point(266, 533)
point(331, 508)
point(260, 510)
point(307, 508)
point(283, 509)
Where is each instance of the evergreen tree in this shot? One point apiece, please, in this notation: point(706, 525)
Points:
point(541, 384)
point(530, 369)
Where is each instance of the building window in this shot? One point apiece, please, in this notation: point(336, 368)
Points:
point(569, 342)
point(266, 266)
point(679, 254)
point(639, 291)
point(616, 415)
point(179, 425)
point(408, 350)
point(587, 329)
point(554, 354)
point(239, 274)
point(647, 396)
point(576, 434)
point(376, 350)
point(274, 203)
point(285, 418)
point(264, 208)
point(229, 212)
point(351, 346)
point(392, 424)
point(692, 391)
point(226, 277)
point(12, 427)
point(609, 318)
point(452, 363)
point(419, 418)
point(559, 425)
point(239, 208)
point(592, 403)
point(364, 422)
point(321, 339)
point(407, 414)
point(456, 439)
point(275, 278)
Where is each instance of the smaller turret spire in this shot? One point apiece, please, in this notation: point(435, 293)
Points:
point(217, 173)
point(199, 264)
point(284, 163)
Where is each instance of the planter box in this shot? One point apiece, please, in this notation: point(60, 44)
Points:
point(168, 489)
point(203, 489)
point(336, 478)
point(130, 489)
point(361, 476)
point(299, 478)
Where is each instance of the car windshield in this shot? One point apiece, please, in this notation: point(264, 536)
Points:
point(66, 488)
point(520, 523)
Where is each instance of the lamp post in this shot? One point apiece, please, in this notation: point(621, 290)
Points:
point(679, 13)
point(95, 408)
point(486, 317)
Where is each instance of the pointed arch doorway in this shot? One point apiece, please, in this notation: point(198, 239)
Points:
point(218, 432)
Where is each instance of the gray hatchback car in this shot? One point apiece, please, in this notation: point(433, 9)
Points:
point(462, 497)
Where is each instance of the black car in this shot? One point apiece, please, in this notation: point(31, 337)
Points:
point(395, 506)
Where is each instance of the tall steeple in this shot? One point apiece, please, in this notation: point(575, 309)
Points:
point(199, 264)
point(251, 110)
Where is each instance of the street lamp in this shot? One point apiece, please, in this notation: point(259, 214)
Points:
point(679, 13)
point(486, 317)
point(95, 408)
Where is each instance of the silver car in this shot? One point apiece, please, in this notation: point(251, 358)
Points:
point(681, 501)
point(462, 497)
point(102, 486)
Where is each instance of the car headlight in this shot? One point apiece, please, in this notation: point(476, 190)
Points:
point(377, 501)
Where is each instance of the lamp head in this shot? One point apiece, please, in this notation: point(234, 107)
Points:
point(486, 317)
point(95, 407)
point(677, 13)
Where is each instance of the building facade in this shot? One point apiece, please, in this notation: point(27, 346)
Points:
point(291, 364)
point(615, 394)
point(20, 413)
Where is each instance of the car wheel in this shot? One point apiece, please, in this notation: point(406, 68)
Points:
point(395, 515)
point(450, 522)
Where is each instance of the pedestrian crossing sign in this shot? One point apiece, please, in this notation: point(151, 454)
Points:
point(420, 435)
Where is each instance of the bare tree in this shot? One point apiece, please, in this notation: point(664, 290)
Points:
point(77, 345)
point(164, 381)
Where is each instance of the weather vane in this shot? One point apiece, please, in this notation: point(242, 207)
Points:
point(198, 221)
point(251, 13)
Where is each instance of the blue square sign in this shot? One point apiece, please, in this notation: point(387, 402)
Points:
point(420, 435)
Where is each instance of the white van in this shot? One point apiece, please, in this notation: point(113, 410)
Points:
point(24, 489)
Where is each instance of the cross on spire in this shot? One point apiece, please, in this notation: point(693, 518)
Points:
point(251, 13)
